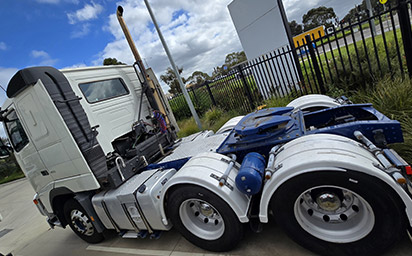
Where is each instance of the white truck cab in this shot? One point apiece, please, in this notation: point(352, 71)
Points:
point(65, 127)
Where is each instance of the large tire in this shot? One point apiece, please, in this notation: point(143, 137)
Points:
point(336, 213)
point(204, 219)
point(80, 223)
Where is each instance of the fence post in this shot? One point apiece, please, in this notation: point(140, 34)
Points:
point(315, 64)
point(290, 39)
point(247, 89)
point(194, 96)
point(406, 32)
point(210, 93)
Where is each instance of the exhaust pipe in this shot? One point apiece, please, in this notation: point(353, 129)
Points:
point(148, 87)
point(129, 39)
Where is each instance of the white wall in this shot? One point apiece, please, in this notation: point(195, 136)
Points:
point(259, 26)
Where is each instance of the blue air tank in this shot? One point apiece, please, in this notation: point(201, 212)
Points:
point(250, 176)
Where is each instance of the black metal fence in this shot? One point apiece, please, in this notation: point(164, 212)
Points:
point(356, 54)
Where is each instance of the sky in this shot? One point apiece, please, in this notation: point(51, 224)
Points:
point(74, 33)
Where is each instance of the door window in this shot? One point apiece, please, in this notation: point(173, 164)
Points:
point(17, 135)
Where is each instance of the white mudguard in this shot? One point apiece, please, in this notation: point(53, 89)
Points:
point(325, 152)
point(229, 125)
point(202, 170)
point(313, 101)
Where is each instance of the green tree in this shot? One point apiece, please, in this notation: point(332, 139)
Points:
point(198, 78)
point(317, 17)
point(361, 11)
point(112, 61)
point(8, 165)
point(170, 79)
point(235, 58)
point(295, 27)
point(231, 59)
point(219, 71)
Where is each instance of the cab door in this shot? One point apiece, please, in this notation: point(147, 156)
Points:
point(26, 153)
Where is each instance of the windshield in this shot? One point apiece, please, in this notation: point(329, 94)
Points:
point(18, 137)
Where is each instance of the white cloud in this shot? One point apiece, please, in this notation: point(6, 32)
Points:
point(48, 1)
point(199, 34)
point(57, 1)
point(5, 76)
point(39, 54)
point(83, 31)
point(3, 46)
point(88, 12)
point(78, 65)
point(43, 57)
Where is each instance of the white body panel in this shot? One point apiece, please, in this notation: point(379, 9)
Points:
point(229, 125)
point(198, 171)
point(51, 147)
point(195, 144)
point(313, 100)
point(325, 152)
point(115, 116)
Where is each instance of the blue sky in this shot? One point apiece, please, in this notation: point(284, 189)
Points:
point(36, 33)
point(70, 33)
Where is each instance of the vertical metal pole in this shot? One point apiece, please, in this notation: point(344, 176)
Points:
point(169, 55)
point(210, 93)
point(194, 96)
point(405, 25)
point(290, 39)
point(370, 14)
point(247, 89)
point(315, 64)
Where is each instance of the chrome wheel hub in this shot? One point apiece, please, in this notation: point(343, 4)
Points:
point(206, 210)
point(81, 223)
point(334, 214)
point(202, 219)
point(328, 202)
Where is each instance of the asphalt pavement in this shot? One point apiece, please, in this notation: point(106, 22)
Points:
point(24, 232)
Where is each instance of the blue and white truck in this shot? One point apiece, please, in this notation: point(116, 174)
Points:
point(99, 147)
point(101, 157)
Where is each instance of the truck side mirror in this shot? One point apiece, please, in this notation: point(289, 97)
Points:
point(4, 150)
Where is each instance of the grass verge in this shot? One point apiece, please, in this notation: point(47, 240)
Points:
point(13, 176)
point(211, 120)
point(392, 97)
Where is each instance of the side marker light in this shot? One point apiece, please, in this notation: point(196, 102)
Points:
point(408, 170)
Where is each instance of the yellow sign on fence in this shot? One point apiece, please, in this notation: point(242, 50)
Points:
point(314, 33)
point(383, 1)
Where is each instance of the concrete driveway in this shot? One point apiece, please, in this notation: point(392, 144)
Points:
point(24, 232)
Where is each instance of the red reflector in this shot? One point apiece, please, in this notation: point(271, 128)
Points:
point(408, 170)
point(35, 202)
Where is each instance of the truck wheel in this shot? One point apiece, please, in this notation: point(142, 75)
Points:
point(80, 223)
point(204, 219)
point(336, 213)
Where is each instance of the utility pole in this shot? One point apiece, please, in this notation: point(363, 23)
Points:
point(179, 79)
point(370, 14)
